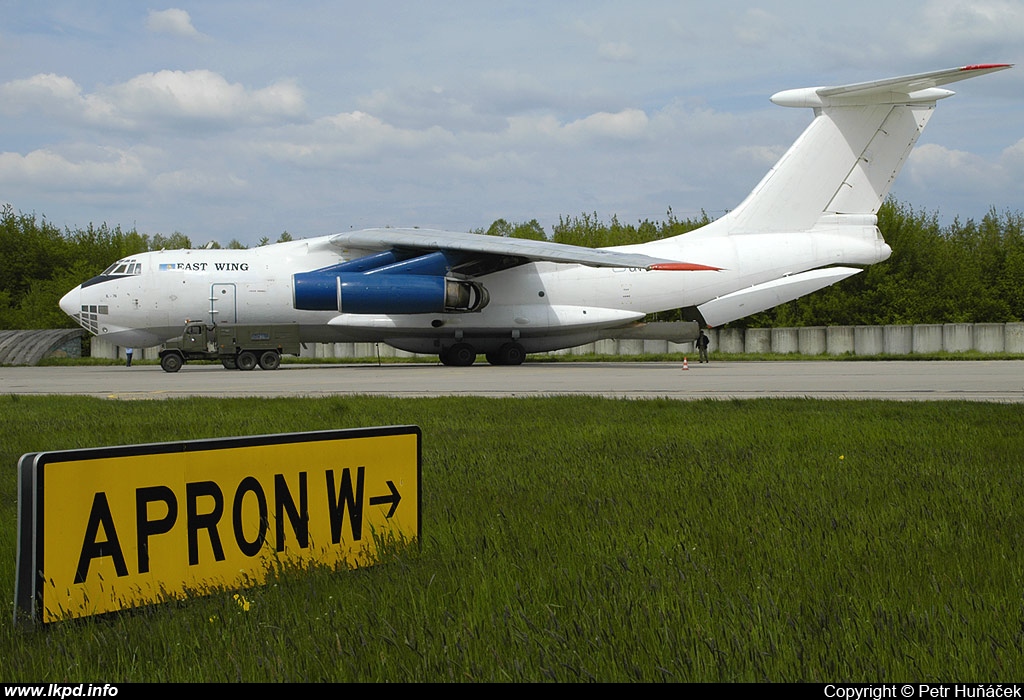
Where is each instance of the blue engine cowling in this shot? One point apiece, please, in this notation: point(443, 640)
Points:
point(361, 293)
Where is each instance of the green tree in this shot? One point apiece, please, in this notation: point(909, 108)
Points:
point(531, 230)
point(176, 241)
point(41, 263)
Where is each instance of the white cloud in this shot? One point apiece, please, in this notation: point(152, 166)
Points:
point(50, 95)
point(975, 27)
point(345, 139)
point(174, 22)
point(944, 170)
point(165, 98)
point(629, 124)
point(758, 27)
point(202, 95)
point(51, 171)
point(616, 51)
point(204, 184)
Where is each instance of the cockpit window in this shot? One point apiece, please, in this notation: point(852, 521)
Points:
point(123, 267)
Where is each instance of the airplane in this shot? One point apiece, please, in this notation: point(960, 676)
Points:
point(457, 294)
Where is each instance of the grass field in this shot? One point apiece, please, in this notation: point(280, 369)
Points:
point(576, 539)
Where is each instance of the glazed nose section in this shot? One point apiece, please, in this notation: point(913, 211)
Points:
point(71, 303)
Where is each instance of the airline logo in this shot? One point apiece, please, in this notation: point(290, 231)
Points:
point(204, 266)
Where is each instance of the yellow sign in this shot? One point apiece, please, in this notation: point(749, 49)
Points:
point(111, 528)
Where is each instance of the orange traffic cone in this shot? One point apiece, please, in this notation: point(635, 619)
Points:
point(686, 365)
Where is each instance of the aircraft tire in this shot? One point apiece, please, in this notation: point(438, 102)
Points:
point(171, 362)
point(270, 360)
point(246, 361)
point(461, 355)
point(511, 354)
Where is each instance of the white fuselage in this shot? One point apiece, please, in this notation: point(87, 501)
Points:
point(544, 305)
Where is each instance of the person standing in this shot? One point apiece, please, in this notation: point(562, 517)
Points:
point(128, 357)
point(702, 346)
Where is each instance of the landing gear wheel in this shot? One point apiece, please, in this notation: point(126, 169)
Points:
point(460, 355)
point(171, 362)
point(507, 354)
point(270, 360)
point(511, 354)
point(246, 361)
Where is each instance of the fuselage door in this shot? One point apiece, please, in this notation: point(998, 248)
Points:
point(223, 303)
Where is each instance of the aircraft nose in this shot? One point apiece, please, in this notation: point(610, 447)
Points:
point(70, 303)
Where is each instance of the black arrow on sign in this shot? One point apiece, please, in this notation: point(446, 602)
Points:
point(393, 499)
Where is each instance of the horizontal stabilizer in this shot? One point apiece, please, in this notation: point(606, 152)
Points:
point(920, 87)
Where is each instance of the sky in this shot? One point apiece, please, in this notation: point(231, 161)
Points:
point(239, 120)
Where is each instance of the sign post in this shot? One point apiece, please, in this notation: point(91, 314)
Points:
point(110, 528)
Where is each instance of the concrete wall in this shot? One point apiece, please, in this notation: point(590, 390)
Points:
point(868, 340)
point(1013, 337)
point(839, 340)
point(812, 340)
point(927, 338)
point(818, 340)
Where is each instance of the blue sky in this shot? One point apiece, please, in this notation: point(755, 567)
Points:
point(239, 120)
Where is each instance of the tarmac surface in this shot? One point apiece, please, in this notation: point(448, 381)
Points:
point(968, 380)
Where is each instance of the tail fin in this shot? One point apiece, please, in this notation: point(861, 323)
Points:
point(846, 160)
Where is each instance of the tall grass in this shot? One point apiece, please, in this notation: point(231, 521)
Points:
point(577, 539)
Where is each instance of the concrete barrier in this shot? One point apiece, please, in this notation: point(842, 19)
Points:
point(897, 340)
point(839, 340)
point(630, 347)
point(655, 347)
point(868, 340)
point(728, 340)
point(812, 340)
point(1013, 338)
point(927, 338)
point(758, 341)
point(989, 338)
point(785, 340)
point(957, 337)
point(681, 348)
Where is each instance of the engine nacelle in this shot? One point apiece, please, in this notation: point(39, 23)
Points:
point(356, 293)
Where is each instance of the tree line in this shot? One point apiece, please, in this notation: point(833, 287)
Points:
point(966, 271)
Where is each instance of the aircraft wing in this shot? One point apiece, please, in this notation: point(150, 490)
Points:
point(498, 252)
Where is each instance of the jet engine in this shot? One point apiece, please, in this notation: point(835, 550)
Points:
point(380, 284)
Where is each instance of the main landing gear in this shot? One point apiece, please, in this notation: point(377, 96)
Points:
point(463, 355)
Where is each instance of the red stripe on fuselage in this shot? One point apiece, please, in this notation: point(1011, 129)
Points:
point(685, 266)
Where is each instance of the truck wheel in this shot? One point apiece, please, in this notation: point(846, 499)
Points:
point(171, 362)
point(229, 363)
point(270, 360)
point(246, 361)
